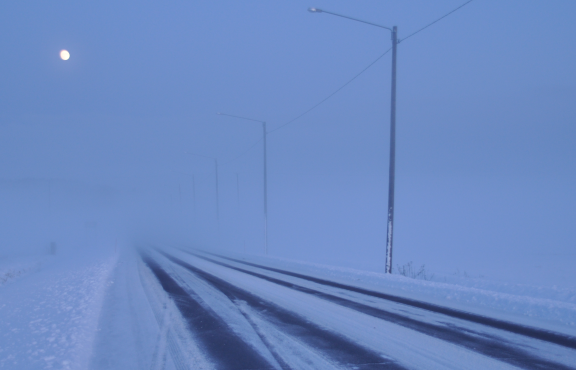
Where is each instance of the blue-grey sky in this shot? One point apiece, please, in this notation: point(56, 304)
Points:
point(486, 121)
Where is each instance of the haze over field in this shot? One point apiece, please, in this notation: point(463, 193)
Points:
point(105, 149)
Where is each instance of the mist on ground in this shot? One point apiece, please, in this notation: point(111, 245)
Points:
point(114, 147)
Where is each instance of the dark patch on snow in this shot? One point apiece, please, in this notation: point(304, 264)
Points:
point(226, 349)
point(335, 346)
point(495, 347)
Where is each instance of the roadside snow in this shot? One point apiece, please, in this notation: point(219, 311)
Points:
point(48, 319)
point(549, 308)
point(127, 331)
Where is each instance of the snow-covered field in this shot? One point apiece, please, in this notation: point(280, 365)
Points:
point(108, 311)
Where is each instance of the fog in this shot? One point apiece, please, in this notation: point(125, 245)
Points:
point(108, 149)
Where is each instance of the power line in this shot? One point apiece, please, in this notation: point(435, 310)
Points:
point(365, 69)
point(242, 154)
point(310, 109)
point(334, 93)
point(437, 20)
point(348, 82)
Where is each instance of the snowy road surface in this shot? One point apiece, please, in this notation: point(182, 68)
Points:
point(183, 309)
point(221, 313)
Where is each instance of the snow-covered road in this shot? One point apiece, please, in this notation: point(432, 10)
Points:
point(223, 313)
point(186, 309)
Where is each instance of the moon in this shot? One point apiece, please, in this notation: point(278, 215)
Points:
point(64, 54)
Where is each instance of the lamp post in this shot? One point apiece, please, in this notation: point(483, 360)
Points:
point(264, 134)
point(392, 166)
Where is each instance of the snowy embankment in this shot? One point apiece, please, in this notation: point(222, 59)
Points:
point(550, 308)
point(49, 313)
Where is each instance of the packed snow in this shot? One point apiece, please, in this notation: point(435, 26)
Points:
point(104, 311)
point(49, 317)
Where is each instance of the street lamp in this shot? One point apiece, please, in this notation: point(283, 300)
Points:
point(264, 134)
point(391, 173)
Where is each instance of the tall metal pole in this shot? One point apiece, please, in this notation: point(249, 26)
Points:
point(389, 236)
point(238, 190)
point(390, 223)
point(217, 198)
point(265, 191)
point(180, 197)
point(264, 134)
point(194, 196)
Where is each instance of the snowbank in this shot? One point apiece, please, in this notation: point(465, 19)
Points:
point(549, 308)
point(48, 318)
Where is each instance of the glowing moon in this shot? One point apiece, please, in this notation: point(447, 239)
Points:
point(65, 55)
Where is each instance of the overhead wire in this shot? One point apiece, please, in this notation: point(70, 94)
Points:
point(310, 109)
point(348, 82)
point(437, 20)
point(241, 154)
point(368, 67)
point(334, 93)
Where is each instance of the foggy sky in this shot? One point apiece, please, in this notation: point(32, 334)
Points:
point(485, 125)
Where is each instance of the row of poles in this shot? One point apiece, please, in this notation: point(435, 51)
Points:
point(391, 173)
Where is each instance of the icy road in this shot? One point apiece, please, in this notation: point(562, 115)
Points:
point(222, 313)
point(185, 309)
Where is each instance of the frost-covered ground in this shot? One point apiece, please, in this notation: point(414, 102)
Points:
point(49, 312)
point(13, 268)
point(549, 307)
point(104, 311)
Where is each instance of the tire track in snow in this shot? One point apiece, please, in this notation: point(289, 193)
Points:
point(540, 334)
point(336, 347)
point(488, 345)
point(226, 349)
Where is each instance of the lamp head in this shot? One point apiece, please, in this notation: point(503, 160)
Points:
point(314, 10)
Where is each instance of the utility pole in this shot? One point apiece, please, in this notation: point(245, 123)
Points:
point(180, 199)
point(264, 135)
point(194, 196)
point(217, 197)
point(217, 191)
point(392, 168)
point(238, 190)
point(239, 209)
point(390, 223)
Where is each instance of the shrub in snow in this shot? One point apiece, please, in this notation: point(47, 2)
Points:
point(409, 271)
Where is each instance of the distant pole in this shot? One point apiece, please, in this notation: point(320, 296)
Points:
point(180, 199)
point(392, 168)
point(217, 191)
point(265, 190)
point(239, 208)
point(217, 197)
point(238, 190)
point(264, 136)
point(194, 195)
point(50, 197)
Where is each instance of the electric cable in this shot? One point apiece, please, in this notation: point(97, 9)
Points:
point(243, 153)
point(349, 81)
point(334, 93)
point(437, 20)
